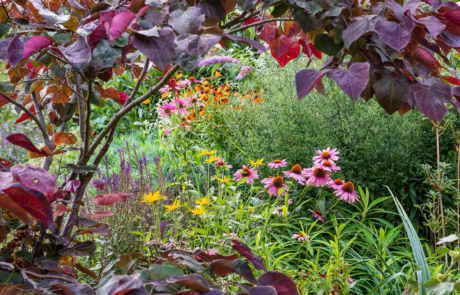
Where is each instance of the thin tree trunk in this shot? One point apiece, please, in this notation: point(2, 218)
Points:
point(440, 194)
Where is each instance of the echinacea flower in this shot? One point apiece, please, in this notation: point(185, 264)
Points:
point(181, 106)
point(274, 187)
point(327, 165)
point(327, 154)
point(301, 236)
point(174, 206)
point(233, 235)
point(204, 201)
point(295, 173)
point(347, 193)
point(336, 184)
point(245, 172)
point(267, 180)
point(198, 211)
point(221, 164)
point(319, 177)
point(167, 131)
point(317, 214)
point(153, 197)
point(195, 101)
point(280, 212)
point(167, 109)
point(278, 164)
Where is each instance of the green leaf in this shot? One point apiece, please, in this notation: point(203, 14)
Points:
point(200, 231)
point(4, 29)
point(327, 45)
point(442, 250)
point(104, 55)
point(164, 272)
point(62, 38)
point(242, 180)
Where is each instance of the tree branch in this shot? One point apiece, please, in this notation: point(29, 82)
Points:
point(88, 122)
point(25, 110)
point(233, 21)
point(129, 107)
point(259, 23)
point(46, 139)
point(139, 81)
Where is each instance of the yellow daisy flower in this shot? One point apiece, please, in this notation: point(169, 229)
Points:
point(174, 206)
point(212, 159)
point(198, 211)
point(251, 209)
point(206, 153)
point(225, 179)
point(259, 162)
point(153, 197)
point(204, 201)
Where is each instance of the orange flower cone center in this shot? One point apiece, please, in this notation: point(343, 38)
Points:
point(327, 164)
point(318, 172)
point(277, 161)
point(220, 163)
point(338, 181)
point(278, 182)
point(296, 169)
point(348, 187)
point(326, 155)
point(245, 171)
point(194, 100)
point(319, 212)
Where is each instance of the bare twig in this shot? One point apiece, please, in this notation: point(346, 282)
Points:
point(25, 110)
point(233, 21)
point(87, 137)
point(139, 81)
point(259, 23)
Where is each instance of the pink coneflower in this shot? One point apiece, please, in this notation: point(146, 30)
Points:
point(250, 173)
point(274, 187)
point(167, 109)
point(232, 235)
point(167, 131)
point(317, 214)
point(350, 280)
point(296, 173)
point(347, 193)
point(267, 180)
point(195, 101)
point(290, 201)
point(181, 105)
point(327, 154)
point(307, 173)
point(221, 164)
point(301, 237)
point(280, 212)
point(182, 84)
point(165, 89)
point(336, 184)
point(327, 165)
point(278, 164)
point(319, 177)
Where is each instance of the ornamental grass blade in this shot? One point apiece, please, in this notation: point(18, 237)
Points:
point(419, 255)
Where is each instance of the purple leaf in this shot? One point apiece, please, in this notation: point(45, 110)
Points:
point(34, 178)
point(6, 180)
point(120, 23)
point(273, 278)
point(431, 99)
point(160, 50)
point(306, 80)
point(255, 44)
point(15, 51)
point(132, 284)
point(247, 253)
point(23, 141)
point(395, 35)
point(35, 203)
point(436, 4)
point(197, 45)
point(353, 81)
point(97, 183)
point(243, 269)
point(75, 4)
point(433, 25)
point(391, 91)
point(213, 9)
point(354, 31)
point(263, 290)
point(185, 60)
point(72, 185)
point(78, 52)
point(396, 7)
point(34, 45)
point(451, 39)
point(188, 21)
point(111, 198)
point(97, 35)
point(411, 6)
point(194, 281)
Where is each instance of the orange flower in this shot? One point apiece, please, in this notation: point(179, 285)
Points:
point(191, 79)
